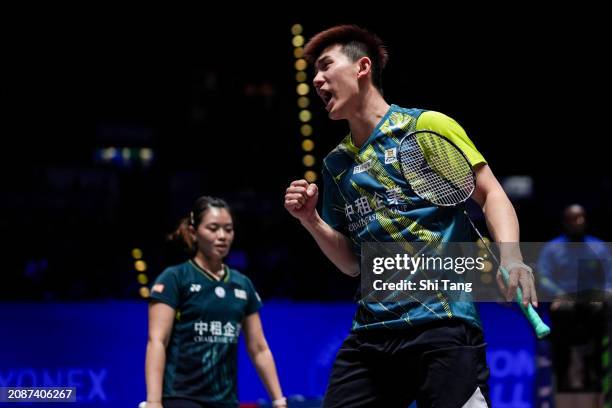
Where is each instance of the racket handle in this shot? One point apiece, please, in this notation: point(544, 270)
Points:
point(542, 330)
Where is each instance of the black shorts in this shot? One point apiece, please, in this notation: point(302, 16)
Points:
point(439, 365)
point(181, 403)
point(187, 403)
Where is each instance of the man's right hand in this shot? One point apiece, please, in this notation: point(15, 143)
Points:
point(301, 200)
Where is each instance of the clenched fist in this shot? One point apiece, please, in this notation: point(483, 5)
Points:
point(301, 199)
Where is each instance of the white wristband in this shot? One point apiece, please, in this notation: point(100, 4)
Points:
point(517, 264)
point(279, 402)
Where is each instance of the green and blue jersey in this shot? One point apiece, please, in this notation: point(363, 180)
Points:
point(201, 357)
point(367, 199)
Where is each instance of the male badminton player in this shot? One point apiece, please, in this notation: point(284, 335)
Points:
point(438, 347)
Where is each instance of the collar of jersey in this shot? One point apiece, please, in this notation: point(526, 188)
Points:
point(373, 135)
point(209, 275)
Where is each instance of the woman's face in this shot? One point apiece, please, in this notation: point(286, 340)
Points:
point(215, 233)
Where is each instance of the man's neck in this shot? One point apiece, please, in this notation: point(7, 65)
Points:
point(368, 114)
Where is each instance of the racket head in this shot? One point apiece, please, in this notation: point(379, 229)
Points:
point(435, 168)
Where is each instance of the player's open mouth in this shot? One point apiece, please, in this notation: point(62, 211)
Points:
point(327, 97)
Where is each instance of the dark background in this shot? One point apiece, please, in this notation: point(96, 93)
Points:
point(214, 97)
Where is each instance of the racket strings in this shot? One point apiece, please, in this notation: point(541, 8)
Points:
point(435, 169)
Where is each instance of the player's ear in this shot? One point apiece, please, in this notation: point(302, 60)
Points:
point(365, 67)
point(192, 232)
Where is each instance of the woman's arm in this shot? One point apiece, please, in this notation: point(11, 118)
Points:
point(262, 358)
point(161, 319)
